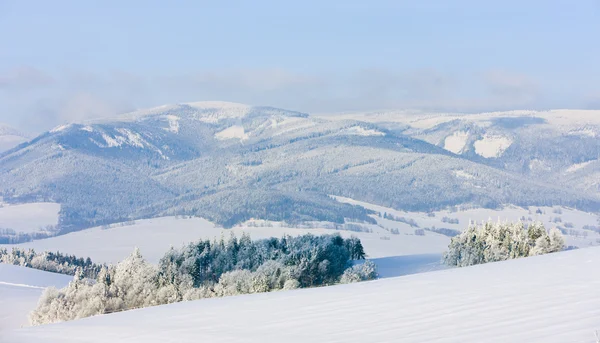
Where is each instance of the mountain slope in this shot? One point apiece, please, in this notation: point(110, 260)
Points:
point(551, 298)
point(232, 162)
point(539, 144)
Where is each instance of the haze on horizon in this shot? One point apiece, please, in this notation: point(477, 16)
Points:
point(66, 61)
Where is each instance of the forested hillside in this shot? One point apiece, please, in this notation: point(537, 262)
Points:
point(231, 162)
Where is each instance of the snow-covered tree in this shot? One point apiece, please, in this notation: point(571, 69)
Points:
point(203, 270)
point(491, 242)
point(360, 272)
point(557, 241)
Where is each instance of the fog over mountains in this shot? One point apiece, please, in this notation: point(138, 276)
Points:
point(9, 137)
point(230, 162)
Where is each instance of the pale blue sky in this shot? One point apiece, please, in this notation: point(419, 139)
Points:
point(72, 60)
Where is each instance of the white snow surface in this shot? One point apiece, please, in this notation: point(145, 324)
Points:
point(584, 132)
point(126, 137)
point(571, 121)
point(289, 124)
point(361, 131)
point(29, 217)
point(578, 219)
point(155, 236)
point(214, 111)
point(578, 166)
point(60, 128)
point(20, 289)
point(548, 299)
point(173, 123)
point(492, 146)
point(132, 138)
point(456, 142)
point(463, 174)
point(110, 142)
point(29, 277)
point(235, 131)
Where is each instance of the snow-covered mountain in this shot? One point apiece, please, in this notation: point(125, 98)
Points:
point(231, 162)
point(550, 298)
point(561, 146)
point(10, 138)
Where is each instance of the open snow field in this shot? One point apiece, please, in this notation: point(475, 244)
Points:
point(388, 238)
point(459, 220)
point(155, 236)
point(546, 299)
point(30, 217)
point(20, 289)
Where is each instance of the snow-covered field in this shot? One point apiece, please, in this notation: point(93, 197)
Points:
point(20, 289)
point(392, 244)
point(388, 238)
point(457, 142)
point(29, 217)
point(546, 299)
point(155, 236)
point(490, 146)
point(569, 218)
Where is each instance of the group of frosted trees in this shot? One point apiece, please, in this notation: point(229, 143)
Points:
point(491, 242)
point(49, 261)
point(207, 269)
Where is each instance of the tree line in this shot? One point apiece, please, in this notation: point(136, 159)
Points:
point(206, 269)
point(55, 262)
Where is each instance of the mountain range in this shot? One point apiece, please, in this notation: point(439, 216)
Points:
point(231, 162)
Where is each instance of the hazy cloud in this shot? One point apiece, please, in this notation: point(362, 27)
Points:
point(592, 101)
point(23, 79)
point(33, 100)
point(513, 87)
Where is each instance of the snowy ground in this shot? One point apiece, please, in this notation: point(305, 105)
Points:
point(388, 238)
point(155, 236)
point(20, 289)
point(546, 299)
point(28, 217)
point(549, 216)
point(393, 245)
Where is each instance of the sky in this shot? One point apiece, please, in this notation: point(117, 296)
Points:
point(63, 61)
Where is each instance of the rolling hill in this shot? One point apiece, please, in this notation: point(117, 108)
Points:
point(20, 290)
point(230, 162)
point(550, 298)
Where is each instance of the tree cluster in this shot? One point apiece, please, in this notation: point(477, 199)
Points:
point(11, 236)
point(207, 269)
point(491, 242)
point(50, 262)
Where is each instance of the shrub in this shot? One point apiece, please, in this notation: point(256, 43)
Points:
point(360, 272)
